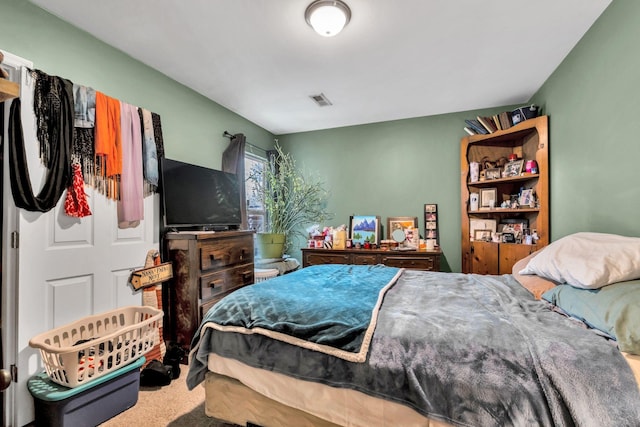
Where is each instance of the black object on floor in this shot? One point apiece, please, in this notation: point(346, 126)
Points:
point(156, 374)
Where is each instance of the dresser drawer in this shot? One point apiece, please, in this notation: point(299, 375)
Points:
point(364, 259)
point(319, 258)
point(224, 252)
point(222, 281)
point(408, 262)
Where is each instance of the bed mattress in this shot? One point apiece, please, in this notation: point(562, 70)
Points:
point(239, 393)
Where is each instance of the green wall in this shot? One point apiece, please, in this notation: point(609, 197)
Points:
point(392, 169)
point(192, 125)
point(593, 100)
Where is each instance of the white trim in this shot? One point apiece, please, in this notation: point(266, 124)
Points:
point(15, 66)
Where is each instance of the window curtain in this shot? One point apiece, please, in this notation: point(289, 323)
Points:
point(233, 162)
point(272, 155)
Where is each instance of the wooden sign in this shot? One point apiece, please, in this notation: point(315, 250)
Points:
point(151, 275)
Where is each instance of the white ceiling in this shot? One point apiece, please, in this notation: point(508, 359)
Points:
point(396, 59)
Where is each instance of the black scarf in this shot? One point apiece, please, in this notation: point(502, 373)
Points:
point(57, 117)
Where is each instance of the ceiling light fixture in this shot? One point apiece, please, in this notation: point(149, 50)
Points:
point(327, 17)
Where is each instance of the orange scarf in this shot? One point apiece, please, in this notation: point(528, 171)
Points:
point(108, 144)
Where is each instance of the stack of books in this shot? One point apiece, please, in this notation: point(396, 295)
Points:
point(482, 125)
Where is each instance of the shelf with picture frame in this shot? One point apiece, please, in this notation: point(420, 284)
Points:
point(526, 141)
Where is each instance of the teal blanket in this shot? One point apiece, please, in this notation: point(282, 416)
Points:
point(326, 308)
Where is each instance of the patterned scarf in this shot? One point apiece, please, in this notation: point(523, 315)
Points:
point(53, 107)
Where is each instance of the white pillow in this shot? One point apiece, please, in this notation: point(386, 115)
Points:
point(588, 260)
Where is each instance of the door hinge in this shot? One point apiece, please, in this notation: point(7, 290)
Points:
point(14, 373)
point(15, 240)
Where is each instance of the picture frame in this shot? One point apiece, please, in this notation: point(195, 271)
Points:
point(487, 195)
point(482, 235)
point(412, 237)
point(401, 223)
point(493, 173)
point(526, 197)
point(364, 228)
point(513, 168)
point(515, 227)
point(431, 229)
point(481, 224)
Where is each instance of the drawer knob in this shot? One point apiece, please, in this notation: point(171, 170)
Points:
point(217, 282)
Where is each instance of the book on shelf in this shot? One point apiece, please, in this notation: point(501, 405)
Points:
point(496, 120)
point(505, 119)
point(470, 131)
point(487, 123)
point(476, 126)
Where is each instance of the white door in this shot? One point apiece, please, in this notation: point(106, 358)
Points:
point(63, 268)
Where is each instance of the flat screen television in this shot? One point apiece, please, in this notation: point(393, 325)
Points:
point(195, 197)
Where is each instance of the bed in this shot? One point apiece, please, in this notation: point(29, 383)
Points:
point(373, 345)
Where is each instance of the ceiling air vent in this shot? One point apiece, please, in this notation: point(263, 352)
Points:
point(321, 100)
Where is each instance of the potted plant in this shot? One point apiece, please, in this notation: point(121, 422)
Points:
point(292, 200)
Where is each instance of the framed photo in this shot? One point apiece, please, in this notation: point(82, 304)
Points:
point(400, 223)
point(487, 195)
point(482, 235)
point(515, 227)
point(513, 168)
point(412, 237)
point(481, 224)
point(431, 230)
point(364, 228)
point(494, 173)
point(526, 197)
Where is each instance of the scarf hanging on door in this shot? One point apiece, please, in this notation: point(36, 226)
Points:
point(108, 146)
point(54, 111)
point(75, 204)
point(58, 173)
point(149, 153)
point(157, 134)
point(82, 149)
point(130, 203)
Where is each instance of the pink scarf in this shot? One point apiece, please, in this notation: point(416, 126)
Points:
point(130, 205)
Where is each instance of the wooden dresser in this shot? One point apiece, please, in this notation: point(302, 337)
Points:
point(206, 266)
point(417, 260)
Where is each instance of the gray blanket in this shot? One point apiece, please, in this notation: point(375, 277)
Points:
point(470, 350)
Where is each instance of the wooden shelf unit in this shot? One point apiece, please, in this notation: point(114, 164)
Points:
point(529, 140)
point(8, 90)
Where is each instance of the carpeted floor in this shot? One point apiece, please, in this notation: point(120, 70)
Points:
point(172, 405)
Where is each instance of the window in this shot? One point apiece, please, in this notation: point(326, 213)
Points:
point(255, 208)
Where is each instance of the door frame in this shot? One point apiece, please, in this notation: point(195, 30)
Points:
point(8, 311)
